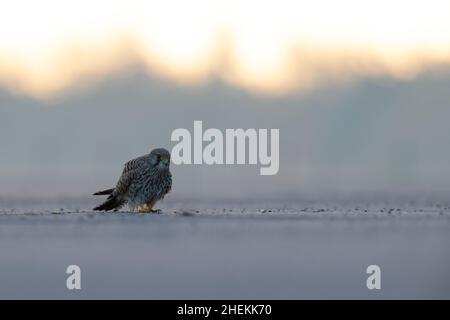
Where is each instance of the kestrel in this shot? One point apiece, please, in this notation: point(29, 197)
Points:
point(143, 182)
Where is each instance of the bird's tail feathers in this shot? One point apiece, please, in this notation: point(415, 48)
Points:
point(104, 192)
point(113, 202)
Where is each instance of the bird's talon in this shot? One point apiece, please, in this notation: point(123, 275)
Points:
point(148, 210)
point(144, 210)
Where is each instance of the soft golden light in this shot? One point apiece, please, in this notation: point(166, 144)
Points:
point(273, 46)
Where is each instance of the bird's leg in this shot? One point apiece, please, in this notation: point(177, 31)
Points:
point(148, 208)
point(144, 209)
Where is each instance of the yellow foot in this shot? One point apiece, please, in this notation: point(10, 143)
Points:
point(148, 210)
point(144, 209)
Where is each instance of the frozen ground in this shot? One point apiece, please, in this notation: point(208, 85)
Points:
point(254, 250)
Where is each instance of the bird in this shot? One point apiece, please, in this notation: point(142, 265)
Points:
point(144, 181)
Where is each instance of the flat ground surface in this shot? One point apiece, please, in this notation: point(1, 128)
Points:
point(254, 250)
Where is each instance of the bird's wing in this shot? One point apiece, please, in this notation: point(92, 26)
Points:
point(130, 172)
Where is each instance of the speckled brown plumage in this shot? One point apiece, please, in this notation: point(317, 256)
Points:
point(143, 182)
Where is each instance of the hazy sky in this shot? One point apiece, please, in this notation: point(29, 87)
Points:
point(358, 89)
point(376, 135)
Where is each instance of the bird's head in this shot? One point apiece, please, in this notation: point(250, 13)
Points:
point(160, 158)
